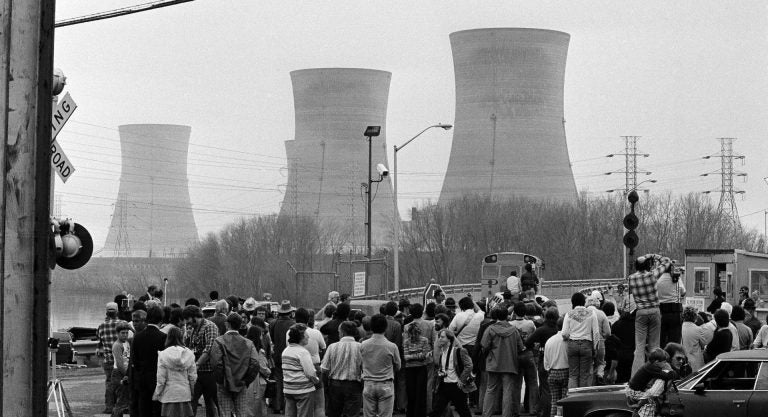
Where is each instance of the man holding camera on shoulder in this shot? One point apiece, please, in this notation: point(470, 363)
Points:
point(671, 291)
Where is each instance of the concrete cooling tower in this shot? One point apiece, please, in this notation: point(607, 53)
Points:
point(327, 160)
point(509, 135)
point(153, 214)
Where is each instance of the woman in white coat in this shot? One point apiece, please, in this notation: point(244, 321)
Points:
point(176, 376)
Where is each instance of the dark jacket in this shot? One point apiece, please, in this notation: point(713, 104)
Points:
point(648, 373)
point(277, 331)
point(540, 336)
point(146, 345)
point(721, 343)
point(502, 344)
point(237, 358)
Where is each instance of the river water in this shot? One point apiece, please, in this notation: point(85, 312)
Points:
point(70, 309)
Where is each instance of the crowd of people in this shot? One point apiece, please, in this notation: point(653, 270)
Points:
point(513, 356)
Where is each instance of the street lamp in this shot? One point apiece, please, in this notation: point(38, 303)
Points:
point(370, 132)
point(396, 243)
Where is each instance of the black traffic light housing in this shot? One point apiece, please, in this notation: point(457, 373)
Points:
point(630, 223)
point(71, 244)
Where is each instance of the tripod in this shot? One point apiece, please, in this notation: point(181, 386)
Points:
point(56, 390)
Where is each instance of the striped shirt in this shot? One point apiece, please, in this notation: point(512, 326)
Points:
point(298, 370)
point(643, 284)
point(343, 360)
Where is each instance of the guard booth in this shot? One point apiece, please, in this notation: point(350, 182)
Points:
point(729, 269)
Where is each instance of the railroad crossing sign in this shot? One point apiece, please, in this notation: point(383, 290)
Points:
point(59, 160)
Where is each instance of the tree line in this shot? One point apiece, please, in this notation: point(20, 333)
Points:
point(579, 240)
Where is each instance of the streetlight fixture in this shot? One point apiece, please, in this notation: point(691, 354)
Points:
point(396, 243)
point(370, 133)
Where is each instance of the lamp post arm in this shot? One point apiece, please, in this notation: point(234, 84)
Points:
point(397, 148)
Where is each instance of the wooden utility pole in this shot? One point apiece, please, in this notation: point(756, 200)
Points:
point(26, 77)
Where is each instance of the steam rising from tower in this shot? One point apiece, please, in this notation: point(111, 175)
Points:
point(509, 136)
point(153, 214)
point(327, 160)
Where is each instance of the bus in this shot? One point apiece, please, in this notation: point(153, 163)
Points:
point(496, 267)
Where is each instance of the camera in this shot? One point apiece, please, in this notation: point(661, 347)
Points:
point(53, 343)
point(383, 171)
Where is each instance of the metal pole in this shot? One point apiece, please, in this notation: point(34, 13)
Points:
point(368, 223)
point(396, 243)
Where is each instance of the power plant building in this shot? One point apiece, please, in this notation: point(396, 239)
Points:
point(153, 214)
point(509, 135)
point(328, 158)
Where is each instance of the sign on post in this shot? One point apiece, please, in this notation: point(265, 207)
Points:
point(60, 162)
point(695, 302)
point(429, 293)
point(359, 285)
point(63, 111)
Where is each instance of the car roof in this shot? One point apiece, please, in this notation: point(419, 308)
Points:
point(754, 354)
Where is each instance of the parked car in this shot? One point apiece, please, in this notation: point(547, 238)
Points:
point(734, 385)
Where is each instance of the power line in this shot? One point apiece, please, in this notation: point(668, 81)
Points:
point(119, 12)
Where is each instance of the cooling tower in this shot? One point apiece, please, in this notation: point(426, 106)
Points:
point(327, 160)
point(509, 135)
point(153, 215)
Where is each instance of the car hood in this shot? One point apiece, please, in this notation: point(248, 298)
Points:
point(597, 389)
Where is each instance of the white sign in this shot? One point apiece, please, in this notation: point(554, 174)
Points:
point(64, 109)
point(358, 288)
point(695, 302)
point(60, 162)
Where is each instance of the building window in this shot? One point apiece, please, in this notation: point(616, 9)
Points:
point(701, 281)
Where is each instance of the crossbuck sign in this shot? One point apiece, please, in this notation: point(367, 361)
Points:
point(59, 160)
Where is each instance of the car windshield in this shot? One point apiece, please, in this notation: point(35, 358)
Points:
point(689, 381)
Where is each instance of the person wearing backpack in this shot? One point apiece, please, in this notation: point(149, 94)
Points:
point(455, 378)
point(235, 363)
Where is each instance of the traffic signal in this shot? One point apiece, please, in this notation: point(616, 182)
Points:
point(630, 223)
point(71, 244)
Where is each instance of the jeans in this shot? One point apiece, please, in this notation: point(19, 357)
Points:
point(122, 394)
point(526, 371)
point(345, 398)
point(544, 394)
point(647, 334)
point(378, 398)
point(600, 359)
point(299, 405)
point(499, 384)
point(449, 392)
point(580, 354)
point(255, 404)
point(109, 391)
point(206, 387)
point(416, 392)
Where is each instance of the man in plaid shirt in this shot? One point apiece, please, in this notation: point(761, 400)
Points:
point(199, 338)
point(642, 285)
point(107, 333)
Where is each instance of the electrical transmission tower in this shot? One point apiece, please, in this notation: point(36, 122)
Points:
point(122, 245)
point(727, 204)
point(630, 164)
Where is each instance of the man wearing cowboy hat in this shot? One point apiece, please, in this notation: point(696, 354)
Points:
point(278, 331)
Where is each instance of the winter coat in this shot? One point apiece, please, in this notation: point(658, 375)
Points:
point(176, 375)
point(502, 344)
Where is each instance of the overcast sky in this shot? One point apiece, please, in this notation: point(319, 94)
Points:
point(679, 74)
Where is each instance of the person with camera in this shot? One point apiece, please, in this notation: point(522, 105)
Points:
point(642, 285)
point(671, 291)
point(454, 374)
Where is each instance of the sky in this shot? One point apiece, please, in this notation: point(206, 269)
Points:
point(678, 74)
